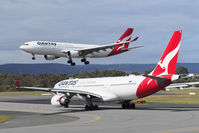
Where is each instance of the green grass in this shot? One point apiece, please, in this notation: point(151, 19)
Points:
point(175, 96)
point(5, 118)
point(22, 93)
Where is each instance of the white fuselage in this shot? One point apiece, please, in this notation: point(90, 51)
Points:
point(110, 88)
point(59, 49)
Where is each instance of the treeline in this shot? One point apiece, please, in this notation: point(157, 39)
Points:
point(7, 81)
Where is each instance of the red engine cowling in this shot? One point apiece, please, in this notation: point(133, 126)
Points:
point(59, 100)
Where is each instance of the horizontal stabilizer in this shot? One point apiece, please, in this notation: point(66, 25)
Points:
point(155, 77)
point(134, 47)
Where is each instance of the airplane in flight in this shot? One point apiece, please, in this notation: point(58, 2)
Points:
point(54, 50)
point(118, 89)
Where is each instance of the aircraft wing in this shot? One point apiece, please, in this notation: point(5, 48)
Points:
point(35, 88)
point(73, 92)
point(180, 85)
point(84, 52)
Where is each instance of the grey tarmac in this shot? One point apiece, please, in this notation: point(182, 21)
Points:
point(146, 118)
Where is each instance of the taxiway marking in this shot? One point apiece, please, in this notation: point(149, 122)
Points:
point(96, 118)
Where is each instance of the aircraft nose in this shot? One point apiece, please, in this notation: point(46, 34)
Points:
point(22, 47)
point(25, 47)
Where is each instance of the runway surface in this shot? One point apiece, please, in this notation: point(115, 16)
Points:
point(35, 114)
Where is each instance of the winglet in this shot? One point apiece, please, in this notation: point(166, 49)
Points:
point(17, 84)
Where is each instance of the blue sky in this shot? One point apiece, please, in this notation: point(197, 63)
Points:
point(99, 22)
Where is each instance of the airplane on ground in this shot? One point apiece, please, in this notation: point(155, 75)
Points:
point(119, 89)
point(54, 50)
point(180, 86)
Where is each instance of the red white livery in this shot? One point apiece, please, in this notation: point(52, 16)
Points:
point(119, 89)
point(54, 50)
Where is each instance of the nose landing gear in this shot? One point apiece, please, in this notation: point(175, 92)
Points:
point(33, 57)
point(70, 61)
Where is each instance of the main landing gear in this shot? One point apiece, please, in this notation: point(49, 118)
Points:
point(128, 105)
point(85, 61)
point(90, 106)
point(70, 61)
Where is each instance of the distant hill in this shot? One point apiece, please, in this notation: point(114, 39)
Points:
point(65, 68)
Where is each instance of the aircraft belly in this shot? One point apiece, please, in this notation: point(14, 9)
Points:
point(103, 92)
point(46, 51)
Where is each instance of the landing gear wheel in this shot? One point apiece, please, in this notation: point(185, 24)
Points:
point(66, 106)
point(73, 64)
point(83, 60)
point(91, 107)
point(96, 107)
point(87, 107)
point(69, 61)
point(132, 106)
point(86, 63)
point(128, 105)
point(123, 106)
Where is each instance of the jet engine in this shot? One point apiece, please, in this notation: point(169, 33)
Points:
point(50, 57)
point(59, 100)
point(73, 53)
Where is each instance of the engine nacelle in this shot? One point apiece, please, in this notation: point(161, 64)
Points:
point(59, 100)
point(73, 53)
point(50, 57)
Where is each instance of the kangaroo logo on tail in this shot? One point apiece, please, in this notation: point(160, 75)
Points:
point(168, 61)
point(125, 37)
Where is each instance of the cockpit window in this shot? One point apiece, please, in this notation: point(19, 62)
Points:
point(26, 44)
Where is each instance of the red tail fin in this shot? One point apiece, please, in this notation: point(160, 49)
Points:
point(123, 47)
point(17, 84)
point(168, 61)
point(126, 37)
